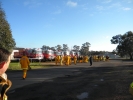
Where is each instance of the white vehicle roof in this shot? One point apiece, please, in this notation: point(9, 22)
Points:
point(37, 49)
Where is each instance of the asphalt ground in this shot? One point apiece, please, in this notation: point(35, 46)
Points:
point(47, 74)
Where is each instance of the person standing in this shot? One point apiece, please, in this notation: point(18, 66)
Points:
point(61, 60)
point(68, 60)
point(75, 59)
point(90, 59)
point(56, 60)
point(64, 59)
point(24, 61)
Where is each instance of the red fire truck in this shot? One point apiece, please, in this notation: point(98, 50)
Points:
point(34, 54)
point(48, 55)
point(62, 52)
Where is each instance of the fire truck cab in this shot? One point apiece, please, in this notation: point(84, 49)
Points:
point(48, 55)
point(58, 53)
point(66, 52)
point(35, 53)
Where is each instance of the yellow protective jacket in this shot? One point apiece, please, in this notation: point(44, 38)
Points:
point(75, 57)
point(24, 61)
point(5, 84)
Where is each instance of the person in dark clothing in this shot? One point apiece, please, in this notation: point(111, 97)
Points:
point(90, 59)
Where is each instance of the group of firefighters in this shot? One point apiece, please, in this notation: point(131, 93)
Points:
point(67, 59)
point(97, 58)
point(62, 60)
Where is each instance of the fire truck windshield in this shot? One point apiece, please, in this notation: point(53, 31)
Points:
point(38, 52)
point(49, 52)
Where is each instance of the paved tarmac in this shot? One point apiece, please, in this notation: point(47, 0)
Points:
point(47, 74)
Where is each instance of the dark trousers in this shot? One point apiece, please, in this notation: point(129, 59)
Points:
point(90, 63)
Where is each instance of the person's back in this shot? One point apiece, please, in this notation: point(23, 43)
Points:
point(24, 61)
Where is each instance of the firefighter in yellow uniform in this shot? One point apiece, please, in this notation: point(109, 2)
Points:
point(56, 60)
point(94, 58)
point(70, 60)
point(75, 59)
point(131, 89)
point(64, 59)
point(61, 60)
point(67, 60)
point(86, 59)
point(24, 61)
point(100, 58)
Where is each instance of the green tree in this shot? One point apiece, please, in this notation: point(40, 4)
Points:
point(85, 48)
point(6, 40)
point(125, 44)
point(58, 47)
point(65, 47)
point(53, 48)
point(76, 48)
point(114, 51)
point(44, 47)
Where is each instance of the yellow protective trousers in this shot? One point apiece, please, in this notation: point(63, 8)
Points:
point(75, 61)
point(24, 73)
point(61, 62)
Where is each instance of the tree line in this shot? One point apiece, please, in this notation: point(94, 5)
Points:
point(84, 49)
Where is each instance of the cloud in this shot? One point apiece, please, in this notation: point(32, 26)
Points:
point(26, 3)
point(126, 9)
point(128, 1)
point(107, 1)
point(91, 14)
point(107, 37)
point(115, 5)
point(71, 4)
point(119, 6)
point(57, 12)
point(84, 6)
point(99, 7)
point(32, 3)
point(104, 1)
